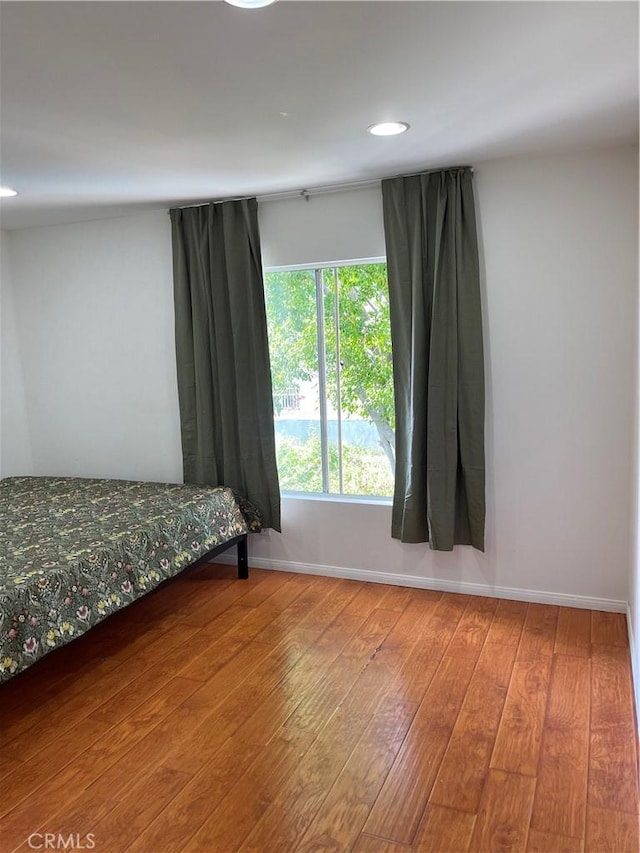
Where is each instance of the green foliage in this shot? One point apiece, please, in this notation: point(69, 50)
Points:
point(291, 320)
point(366, 378)
point(357, 351)
point(300, 468)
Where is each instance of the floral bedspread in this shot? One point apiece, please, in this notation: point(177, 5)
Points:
point(73, 551)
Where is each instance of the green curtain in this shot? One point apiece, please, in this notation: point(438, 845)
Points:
point(438, 366)
point(224, 377)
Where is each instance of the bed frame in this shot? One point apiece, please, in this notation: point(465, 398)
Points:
point(243, 554)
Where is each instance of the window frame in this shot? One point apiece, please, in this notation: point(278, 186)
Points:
point(318, 270)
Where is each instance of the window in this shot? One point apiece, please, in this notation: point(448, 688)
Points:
point(330, 348)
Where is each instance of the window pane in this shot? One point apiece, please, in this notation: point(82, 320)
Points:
point(366, 381)
point(330, 347)
point(330, 307)
point(292, 328)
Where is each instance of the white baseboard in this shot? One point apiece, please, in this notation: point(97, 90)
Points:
point(533, 595)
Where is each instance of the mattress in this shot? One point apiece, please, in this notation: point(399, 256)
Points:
point(73, 551)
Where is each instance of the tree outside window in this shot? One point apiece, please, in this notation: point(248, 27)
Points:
point(330, 348)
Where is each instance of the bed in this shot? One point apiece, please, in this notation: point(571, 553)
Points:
point(75, 550)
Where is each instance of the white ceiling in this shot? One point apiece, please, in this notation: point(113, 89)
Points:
point(111, 107)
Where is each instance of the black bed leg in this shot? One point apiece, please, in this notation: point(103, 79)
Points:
point(243, 559)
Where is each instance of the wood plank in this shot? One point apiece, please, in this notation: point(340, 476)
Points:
point(293, 687)
point(270, 583)
point(560, 800)
point(611, 831)
point(259, 616)
point(51, 791)
point(613, 766)
point(240, 661)
point(311, 713)
point(143, 721)
point(425, 596)
point(346, 807)
point(251, 622)
point(386, 660)
point(137, 761)
point(170, 738)
point(123, 824)
point(89, 815)
point(291, 602)
point(371, 844)
point(157, 748)
point(209, 607)
point(517, 745)
point(539, 632)
point(115, 821)
point(119, 647)
point(218, 626)
point(174, 826)
point(462, 774)
point(508, 622)
point(396, 598)
point(52, 677)
point(445, 830)
point(255, 671)
point(126, 701)
point(299, 797)
point(317, 603)
point(415, 676)
point(171, 641)
point(402, 800)
point(609, 629)
point(349, 621)
point(545, 842)
point(503, 817)
point(573, 633)
point(54, 695)
point(231, 819)
point(297, 684)
point(28, 777)
point(123, 765)
point(211, 657)
point(404, 638)
point(472, 629)
point(106, 734)
point(161, 603)
point(293, 661)
point(24, 738)
point(328, 608)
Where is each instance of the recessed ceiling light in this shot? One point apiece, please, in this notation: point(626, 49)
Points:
point(250, 4)
point(6, 192)
point(388, 128)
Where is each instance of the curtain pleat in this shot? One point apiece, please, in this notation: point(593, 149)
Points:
point(438, 363)
point(224, 376)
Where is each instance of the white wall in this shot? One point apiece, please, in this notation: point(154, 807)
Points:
point(95, 305)
point(15, 446)
point(559, 239)
point(559, 236)
point(338, 226)
point(633, 615)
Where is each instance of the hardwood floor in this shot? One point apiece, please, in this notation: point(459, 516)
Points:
point(298, 713)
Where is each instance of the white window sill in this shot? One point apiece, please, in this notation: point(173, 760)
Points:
point(342, 499)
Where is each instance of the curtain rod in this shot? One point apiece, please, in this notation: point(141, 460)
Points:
point(320, 190)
